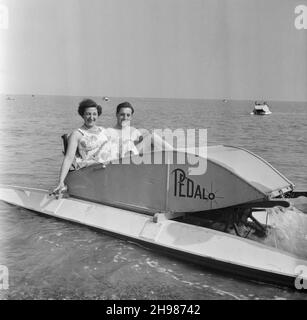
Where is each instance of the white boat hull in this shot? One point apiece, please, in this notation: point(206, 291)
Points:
point(261, 109)
point(212, 248)
point(261, 113)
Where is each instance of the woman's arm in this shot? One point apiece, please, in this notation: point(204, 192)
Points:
point(68, 159)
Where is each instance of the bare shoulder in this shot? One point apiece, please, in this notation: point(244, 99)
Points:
point(75, 135)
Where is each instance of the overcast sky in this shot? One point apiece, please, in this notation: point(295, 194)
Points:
point(238, 49)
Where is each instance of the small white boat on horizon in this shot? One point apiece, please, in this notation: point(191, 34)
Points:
point(261, 109)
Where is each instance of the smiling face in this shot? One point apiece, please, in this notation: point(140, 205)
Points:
point(90, 116)
point(124, 116)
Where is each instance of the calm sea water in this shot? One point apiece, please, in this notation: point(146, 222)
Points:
point(52, 259)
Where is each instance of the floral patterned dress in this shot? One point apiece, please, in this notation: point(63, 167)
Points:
point(92, 148)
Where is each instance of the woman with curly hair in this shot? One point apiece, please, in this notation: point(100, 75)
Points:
point(86, 145)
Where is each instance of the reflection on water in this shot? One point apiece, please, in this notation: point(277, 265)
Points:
point(53, 259)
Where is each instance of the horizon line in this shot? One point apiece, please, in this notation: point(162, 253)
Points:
point(142, 97)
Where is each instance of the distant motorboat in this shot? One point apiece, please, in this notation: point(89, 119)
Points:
point(225, 100)
point(9, 98)
point(105, 99)
point(261, 109)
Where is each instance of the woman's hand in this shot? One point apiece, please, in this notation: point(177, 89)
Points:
point(58, 190)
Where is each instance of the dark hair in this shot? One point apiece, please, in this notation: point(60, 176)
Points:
point(88, 103)
point(124, 105)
